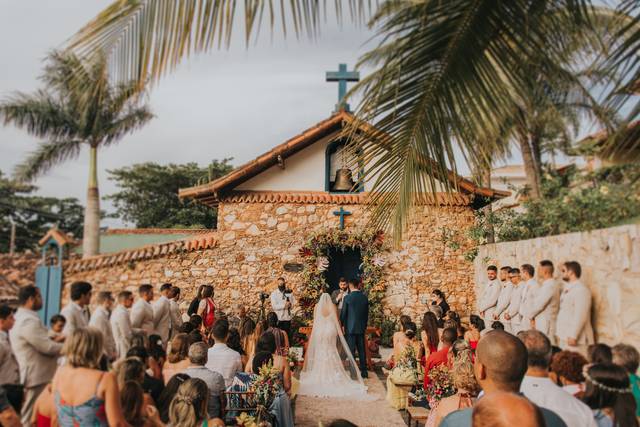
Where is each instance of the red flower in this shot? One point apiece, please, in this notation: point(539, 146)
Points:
point(305, 252)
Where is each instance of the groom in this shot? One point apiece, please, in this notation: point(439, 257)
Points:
point(354, 317)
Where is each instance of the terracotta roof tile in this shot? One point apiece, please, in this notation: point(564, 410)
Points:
point(156, 231)
point(200, 241)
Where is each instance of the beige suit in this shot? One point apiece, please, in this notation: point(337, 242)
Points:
point(142, 317)
point(529, 291)
point(100, 321)
point(176, 317)
point(574, 317)
point(121, 329)
point(37, 355)
point(504, 299)
point(162, 318)
point(513, 309)
point(489, 299)
point(9, 369)
point(544, 308)
point(75, 317)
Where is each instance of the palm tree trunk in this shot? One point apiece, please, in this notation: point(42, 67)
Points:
point(536, 151)
point(91, 235)
point(486, 182)
point(529, 166)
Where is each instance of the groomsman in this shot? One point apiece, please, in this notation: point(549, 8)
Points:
point(505, 296)
point(174, 310)
point(529, 292)
point(573, 327)
point(162, 313)
point(121, 323)
point(512, 313)
point(544, 307)
point(76, 312)
point(142, 312)
point(100, 321)
point(489, 299)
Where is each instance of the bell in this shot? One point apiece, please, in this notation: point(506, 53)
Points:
point(344, 180)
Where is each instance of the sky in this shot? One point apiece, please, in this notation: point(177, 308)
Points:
point(231, 103)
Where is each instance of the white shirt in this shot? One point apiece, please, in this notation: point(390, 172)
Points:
point(543, 392)
point(574, 315)
point(75, 316)
point(121, 328)
point(100, 321)
point(142, 316)
point(9, 369)
point(278, 300)
point(225, 361)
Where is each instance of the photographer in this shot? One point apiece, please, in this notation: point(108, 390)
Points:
point(282, 302)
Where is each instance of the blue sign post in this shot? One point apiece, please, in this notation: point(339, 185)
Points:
point(49, 276)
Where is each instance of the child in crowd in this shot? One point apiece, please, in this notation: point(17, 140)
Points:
point(57, 323)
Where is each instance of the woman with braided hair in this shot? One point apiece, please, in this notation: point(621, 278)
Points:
point(608, 394)
point(189, 406)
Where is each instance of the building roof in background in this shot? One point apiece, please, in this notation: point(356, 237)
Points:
point(60, 237)
point(212, 192)
point(120, 239)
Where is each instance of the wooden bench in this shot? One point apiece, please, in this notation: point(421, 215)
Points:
point(417, 413)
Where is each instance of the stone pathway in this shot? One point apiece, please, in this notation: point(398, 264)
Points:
point(376, 413)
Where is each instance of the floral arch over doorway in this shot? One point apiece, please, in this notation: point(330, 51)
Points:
point(315, 262)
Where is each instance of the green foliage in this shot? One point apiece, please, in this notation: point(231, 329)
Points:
point(387, 329)
point(572, 202)
point(34, 215)
point(148, 195)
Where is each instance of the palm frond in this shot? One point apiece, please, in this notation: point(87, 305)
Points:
point(126, 123)
point(47, 155)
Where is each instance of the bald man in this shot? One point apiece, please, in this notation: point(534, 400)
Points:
point(501, 362)
point(502, 409)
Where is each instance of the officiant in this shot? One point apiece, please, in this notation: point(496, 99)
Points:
point(338, 295)
point(282, 303)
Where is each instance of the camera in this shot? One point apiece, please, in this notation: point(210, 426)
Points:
point(264, 296)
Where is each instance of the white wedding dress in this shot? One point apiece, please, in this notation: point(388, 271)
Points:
point(329, 368)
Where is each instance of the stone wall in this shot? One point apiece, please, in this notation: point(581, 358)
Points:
point(16, 271)
point(256, 239)
point(610, 260)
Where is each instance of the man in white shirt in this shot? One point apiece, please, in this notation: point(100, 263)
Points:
point(573, 326)
point(544, 306)
point(142, 311)
point(222, 359)
point(76, 313)
point(539, 389)
point(121, 323)
point(489, 298)
point(162, 313)
point(512, 312)
point(504, 298)
point(529, 291)
point(36, 353)
point(174, 311)
point(9, 370)
point(282, 302)
point(100, 321)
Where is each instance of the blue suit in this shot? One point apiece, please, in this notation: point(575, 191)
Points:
point(354, 317)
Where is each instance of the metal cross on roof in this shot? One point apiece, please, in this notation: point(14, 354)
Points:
point(342, 213)
point(342, 76)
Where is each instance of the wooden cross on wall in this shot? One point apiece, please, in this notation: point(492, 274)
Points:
point(341, 213)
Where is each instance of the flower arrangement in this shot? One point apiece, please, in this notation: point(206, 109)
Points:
point(408, 359)
point(293, 357)
point(266, 387)
point(314, 254)
point(440, 384)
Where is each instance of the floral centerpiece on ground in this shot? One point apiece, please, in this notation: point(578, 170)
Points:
point(440, 385)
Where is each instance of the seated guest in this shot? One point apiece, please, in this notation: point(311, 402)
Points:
point(221, 358)
point(429, 335)
point(506, 410)
point(8, 415)
point(455, 324)
point(157, 358)
point(134, 409)
point(246, 332)
point(497, 325)
point(476, 326)
point(282, 340)
point(406, 370)
point(401, 339)
point(57, 323)
point(44, 410)
point(168, 394)
point(195, 302)
point(240, 318)
point(252, 342)
point(215, 381)
point(608, 394)
point(628, 357)
point(83, 394)
point(177, 359)
point(196, 321)
point(566, 371)
point(267, 342)
point(501, 362)
point(538, 387)
point(437, 311)
point(195, 336)
point(189, 406)
point(234, 343)
point(186, 328)
point(242, 383)
point(463, 380)
point(599, 353)
point(440, 357)
point(150, 385)
point(132, 369)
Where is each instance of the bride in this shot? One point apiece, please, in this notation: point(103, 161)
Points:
point(329, 368)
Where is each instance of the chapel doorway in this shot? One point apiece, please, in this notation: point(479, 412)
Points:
point(342, 263)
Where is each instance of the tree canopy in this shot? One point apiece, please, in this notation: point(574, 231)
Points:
point(148, 195)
